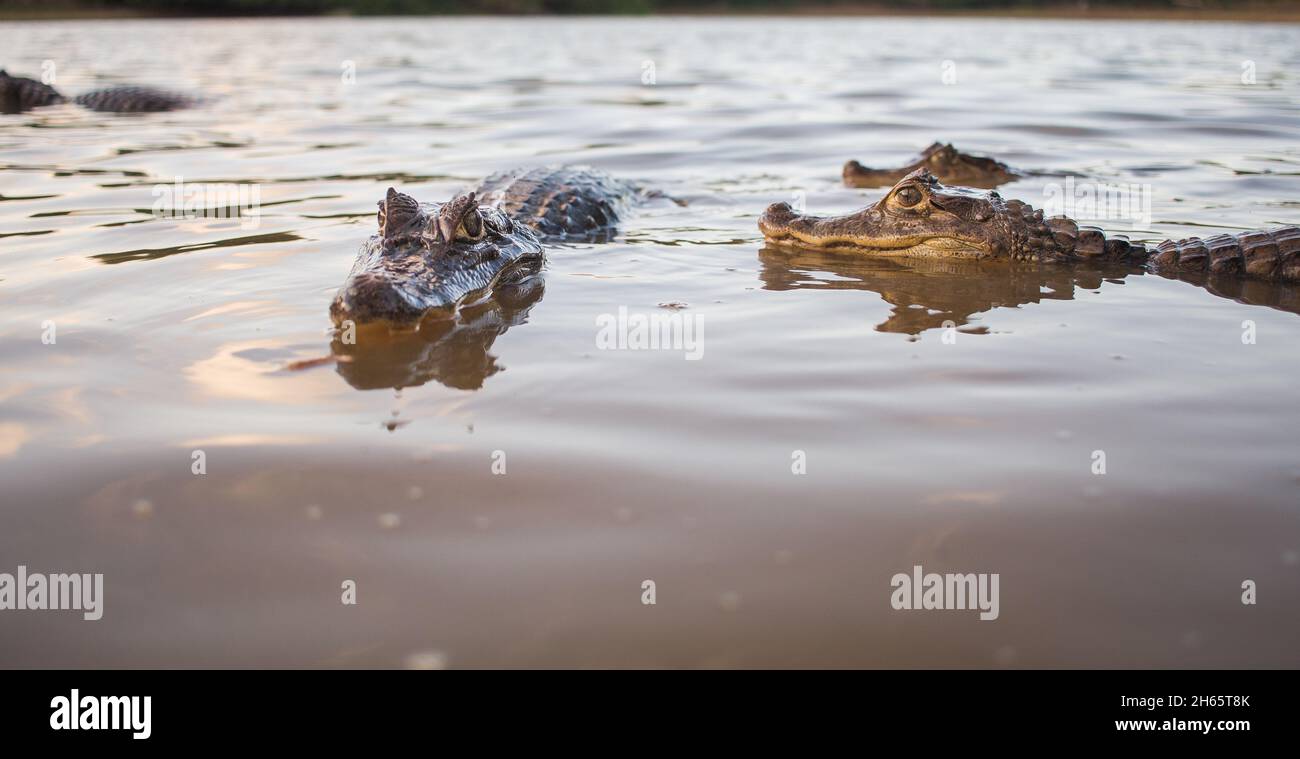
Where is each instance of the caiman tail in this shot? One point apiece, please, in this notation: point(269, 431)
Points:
point(1270, 255)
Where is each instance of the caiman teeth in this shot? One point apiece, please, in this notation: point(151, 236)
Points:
point(868, 243)
point(882, 246)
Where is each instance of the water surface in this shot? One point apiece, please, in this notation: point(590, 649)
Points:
point(968, 454)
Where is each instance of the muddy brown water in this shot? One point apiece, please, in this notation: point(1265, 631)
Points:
point(965, 447)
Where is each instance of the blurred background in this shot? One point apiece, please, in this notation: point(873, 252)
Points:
point(1246, 9)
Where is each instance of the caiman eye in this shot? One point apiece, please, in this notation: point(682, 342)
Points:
point(908, 196)
point(471, 227)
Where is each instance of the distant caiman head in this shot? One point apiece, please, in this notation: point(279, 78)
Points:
point(429, 258)
point(944, 161)
point(920, 217)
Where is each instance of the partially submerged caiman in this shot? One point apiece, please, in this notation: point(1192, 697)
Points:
point(921, 217)
point(946, 162)
point(429, 258)
point(19, 93)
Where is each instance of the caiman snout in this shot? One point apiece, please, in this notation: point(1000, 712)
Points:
point(369, 297)
point(853, 167)
point(776, 220)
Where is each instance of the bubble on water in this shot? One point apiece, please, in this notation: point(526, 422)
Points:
point(415, 492)
point(729, 601)
point(142, 508)
point(482, 522)
point(426, 660)
point(390, 520)
point(1005, 656)
point(623, 514)
point(314, 512)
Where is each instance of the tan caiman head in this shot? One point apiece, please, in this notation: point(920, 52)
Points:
point(920, 217)
point(432, 257)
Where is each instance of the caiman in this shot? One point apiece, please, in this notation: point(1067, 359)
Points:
point(946, 162)
point(19, 93)
point(429, 258)
point(921, 217)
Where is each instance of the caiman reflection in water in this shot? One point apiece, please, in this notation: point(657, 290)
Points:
point(454, 352)
point(928, 293)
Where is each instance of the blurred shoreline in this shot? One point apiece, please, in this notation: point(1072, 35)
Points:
point(1280, 12)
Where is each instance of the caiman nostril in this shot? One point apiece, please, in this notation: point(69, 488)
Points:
point(777, 216)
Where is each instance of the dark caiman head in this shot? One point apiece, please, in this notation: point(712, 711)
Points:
point(920, 217)
point(429, 258)
point(19, 93)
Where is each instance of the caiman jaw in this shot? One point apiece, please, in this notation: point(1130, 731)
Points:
point(780, 225)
